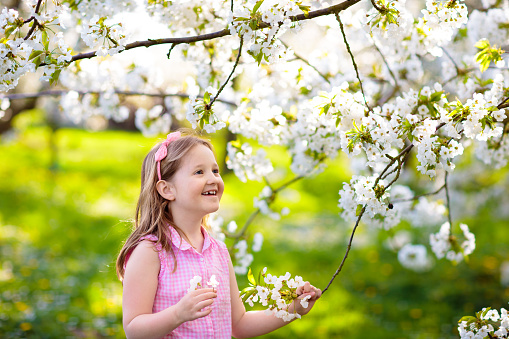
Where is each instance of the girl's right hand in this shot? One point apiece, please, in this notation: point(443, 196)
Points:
point(194, 304)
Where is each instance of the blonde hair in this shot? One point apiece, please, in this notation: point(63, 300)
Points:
point(153, 214)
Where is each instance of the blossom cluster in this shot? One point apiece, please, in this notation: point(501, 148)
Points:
point(200, 113)
point(245, 164)
point(105, 35)
point(486, 323)
point(196, 283)
point(445, 244)
point(414, 257)
point(23, 51)
point(264, 44)
point(276, 293)
point(364, 191)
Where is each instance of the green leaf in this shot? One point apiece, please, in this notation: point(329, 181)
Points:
point(249, 293)
point(37, 61)
point(468, 318)
point(55, 76)
point(259, 58)
point(305, 10)
point(246, 290)
point(325, 108)
point(358, 210)
point(34, 54)
point(250, 277)
point(235, 143)
point(482, 44)
point(9, 31)
point(483, 314)
point(256, 6)
point(484, 65)
point(45, 40)
point(480, 56)
point(436, 96)
point(206, 98)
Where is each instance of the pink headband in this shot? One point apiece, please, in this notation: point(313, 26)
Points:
point(163, 150)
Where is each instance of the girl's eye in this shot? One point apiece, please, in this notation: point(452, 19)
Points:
point(198, 172)
point(216, 171)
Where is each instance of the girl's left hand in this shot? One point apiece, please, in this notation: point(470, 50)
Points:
point(303, 292)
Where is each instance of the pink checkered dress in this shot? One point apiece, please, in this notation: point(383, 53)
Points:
point(174, 285)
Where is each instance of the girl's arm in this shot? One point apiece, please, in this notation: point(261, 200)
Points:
point(255, 323)
point(140, 286)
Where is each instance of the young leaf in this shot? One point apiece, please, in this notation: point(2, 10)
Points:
point(482, 44)
point(206, 98)
point(468, 318)
point(34, 54)
point(256, 6)
point(45, 40)
point(250, 277)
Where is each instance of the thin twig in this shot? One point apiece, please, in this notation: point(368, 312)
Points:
point(348, 247)
point(298, 57)
point(244, 228)
point(255, 213)
point(36, 23)
point(373, 2)
point(458, 70)
point(387, 65)
point(171, 49)
point(419, 196)
point(17, 96)
point(209, 105)
point(448, 201)
point(393, 160)
point(405, 152)
point(352, 57)
point(503, 104)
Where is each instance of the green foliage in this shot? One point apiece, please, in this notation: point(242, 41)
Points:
point(487, 54)
point(386, 14)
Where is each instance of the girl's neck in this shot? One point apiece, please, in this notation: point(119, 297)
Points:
point(192, 232)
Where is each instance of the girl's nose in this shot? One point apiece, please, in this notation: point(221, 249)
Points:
point(213, 178)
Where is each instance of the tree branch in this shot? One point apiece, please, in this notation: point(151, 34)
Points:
point(306, 62)
point(36, 23)
point(419, 196)
point(352, 57)
point(387, 65)
point(253, 215)
point(348, 247)
point(225, 32)
point(458, 70)
point(209, 105)
point(373, 2)
point(17, 96)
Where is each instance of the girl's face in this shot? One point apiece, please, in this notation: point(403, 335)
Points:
point(197, 186)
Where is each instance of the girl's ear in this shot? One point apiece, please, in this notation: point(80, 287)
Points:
point(165, 189)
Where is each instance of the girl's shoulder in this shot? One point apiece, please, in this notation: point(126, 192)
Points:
point(152, 239)
point(148, 245)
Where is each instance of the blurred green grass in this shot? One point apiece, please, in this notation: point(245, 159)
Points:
point(62, 223)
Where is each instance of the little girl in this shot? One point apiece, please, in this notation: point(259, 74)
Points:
point(180, 186)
